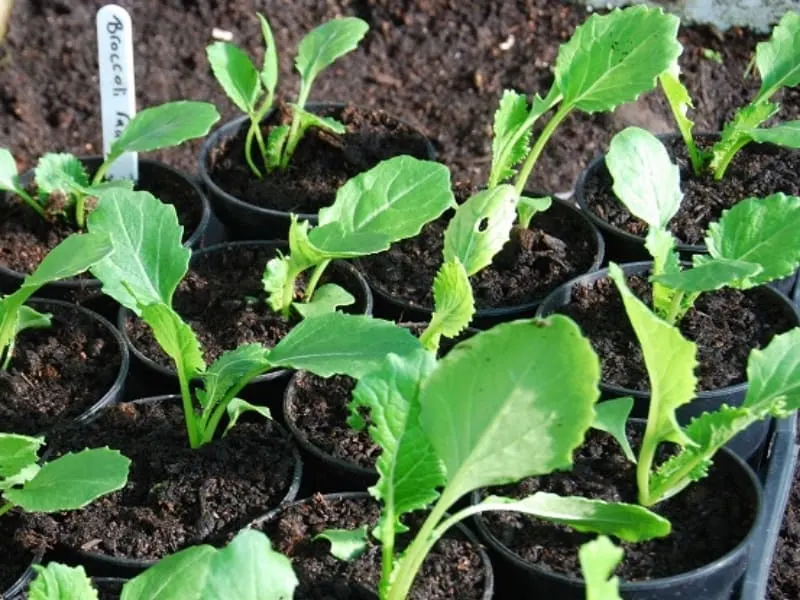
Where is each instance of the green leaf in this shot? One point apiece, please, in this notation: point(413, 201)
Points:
point(236, 74)
point(710, 275)
point(72, 481)
point(175, 338)
point(247, 569)
point(786, 134)
point(598, 560)
point(661, 245)
point(325, 44)
point(670, 360)
point(27, 318)
point(60, 582)
point(480, 228)
point(394, 199)
point(71, 257)
point(453, 304)
point(762, 231)
point(333, 241)
point(629, 522)
point(326, 299)
point(611, 416)
point(269, 70)
point(338, 343)
point(17, 452)
point(165, 126)
point(735, 135)
point(645, 179)
point(275, 143)
point(680, 102)
point(613, 58)
point(408, 468)
point(60, 172)
point(528, 207)
point(9, 177)
point(773, 374)
point(309, 119)
point(231, 371)
point(237, 407)
point(778, 59)
point(149, 260)
point(346, 544)
point(510, 116)
point(493, 405)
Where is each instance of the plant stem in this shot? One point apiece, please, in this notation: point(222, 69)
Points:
point(5, 508)
point(188, 409)
point(674, 307)
point(248, 148)
point(387, 544)
point(80, 211)
point(288, 295)
point(544, 137)
point(293, 138)
point(26, 197)
point(314, 280)
point(101, 172)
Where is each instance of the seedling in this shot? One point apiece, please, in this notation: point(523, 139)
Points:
point(390, 202)
point(253, 91)
point(71, 257)
point(773, 391)
point(499, 407)
point(143, 275)
point(63, 187)
point(753, 243)
point(778, 62)
point(69, 482)
point(598, 560)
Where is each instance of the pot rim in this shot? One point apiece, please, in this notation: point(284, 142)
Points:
point(18, 587)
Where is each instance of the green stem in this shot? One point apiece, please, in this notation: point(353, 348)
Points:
point(188, 409)
point(293, 138)
point(387, 546)
point(429, 338)
point(674, 307)
point(5, 508)
point(647, 454)
point(248, 147)
point(30, 202)
point(288, 295)
point(314, 280)
point(209, 425)
point(722, 165)
point(80, 211)
point(544, 137)
point(101, 172)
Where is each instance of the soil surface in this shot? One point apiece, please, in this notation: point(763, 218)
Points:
point(557, 247)
point(726, 325)
point(322, 162)
point(757, 171)
point(709, 518)
point(453, 568)
point(441, 64)
point(175, 496)
point(57, 373)
point(223, 300)
point(15, 558)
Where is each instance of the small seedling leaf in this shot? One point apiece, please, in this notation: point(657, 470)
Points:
point(60, 582)
point(611, 416)
point(236, 74)
point(346, 544)
point(598, 560)
point(326, 299)
point(326, 43)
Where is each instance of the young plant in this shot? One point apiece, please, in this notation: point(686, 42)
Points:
point(390, 202)
point(611, 59)
point(778, 62)
point(69, 482)
point(143, 274)
point(773, 390)
point(63, 187)
point(598, 560)
point(71, 257)
point(246, 569)
point(499, 407)
point(753, 243)
point(253, 91)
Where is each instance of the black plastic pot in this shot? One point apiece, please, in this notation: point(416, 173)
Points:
point(361, 592)
point(714, 581)
point(389, 306)
point(152, 376)
point(18, 588)
point(113, 566)
point(246, 221)
point(87, 291)
point(625, 247)
point(747, 442)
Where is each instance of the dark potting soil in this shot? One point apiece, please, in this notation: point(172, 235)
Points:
point(709, 518)
point(12, 548)
point(757, 171)
point(25, 238)
point(322, 162)
point(440, 64)
point(453, 568)
point(175, 496)
point(556, 248)
point(57, 373)
point(108, 589)
point(726, 325)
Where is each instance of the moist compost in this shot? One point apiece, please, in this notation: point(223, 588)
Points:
point(726, 325)
point(175, 496)
point(222, 298)
point(758, 170)
point(26, 238)
point(709, 518)
point(558, 246)
point(58, 372)
point(453, 568)
point(322, 162)
point(15, 557)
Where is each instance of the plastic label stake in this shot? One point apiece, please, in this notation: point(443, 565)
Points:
point(117, 89)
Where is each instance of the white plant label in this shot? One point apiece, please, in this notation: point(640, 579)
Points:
point(117, 90)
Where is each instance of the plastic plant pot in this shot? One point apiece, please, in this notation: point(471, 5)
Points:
point(361, 592)
point(18, 588)
point(714, 581)
point(247, 221)
point(747, 443)
point(391, 307)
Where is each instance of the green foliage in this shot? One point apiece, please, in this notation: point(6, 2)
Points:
point(60, 582)
point(453, 303)
point(598, 560)
point(611, 416)
point(680, 102)
point(346, 544)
